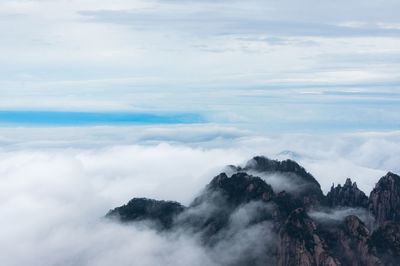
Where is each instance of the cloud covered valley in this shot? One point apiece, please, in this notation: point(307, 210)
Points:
point(54, 197)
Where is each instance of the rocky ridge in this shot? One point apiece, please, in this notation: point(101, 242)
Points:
point(347, 195)
point(326, 238)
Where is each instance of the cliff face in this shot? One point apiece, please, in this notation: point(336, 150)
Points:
point(347, 195)
point(350, 241)
point(211, 211)
point(243, 204)
point(384, 200)
point(386, 241)
point(300, 243)
point(354, 243)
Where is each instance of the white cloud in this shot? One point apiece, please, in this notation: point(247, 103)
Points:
point(53, 202)
point(56, 52)
point(247, 69)
point(54, 194)
point(243, 64)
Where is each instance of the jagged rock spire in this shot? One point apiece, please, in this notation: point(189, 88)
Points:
point(347, 195)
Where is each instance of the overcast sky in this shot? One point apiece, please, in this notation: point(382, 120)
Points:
point(296, 64)
point(105, 100)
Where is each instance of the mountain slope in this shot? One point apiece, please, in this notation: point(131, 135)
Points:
point(278, 221)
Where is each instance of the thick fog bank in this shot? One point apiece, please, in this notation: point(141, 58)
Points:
point(53, 198)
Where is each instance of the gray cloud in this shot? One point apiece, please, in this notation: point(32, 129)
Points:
point(180, 55)
point(213, 23)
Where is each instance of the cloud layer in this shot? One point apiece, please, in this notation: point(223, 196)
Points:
point(251, 69)
point(227, 60)
point(54, 195)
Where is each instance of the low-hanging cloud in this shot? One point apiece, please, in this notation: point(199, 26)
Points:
point(53, 198)
point(340, 214)
point(53, 203)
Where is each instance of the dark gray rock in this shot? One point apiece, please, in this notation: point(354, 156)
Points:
point(310, 193)
point(301, 244)
point(299, 240)
point(161, 212)
point(347, 195)
point(351, 243)
point(238, 189)
point(386, 241)
point(384, 200)
point(210, 212)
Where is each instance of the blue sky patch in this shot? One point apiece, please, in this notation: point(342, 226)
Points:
point(95, 118)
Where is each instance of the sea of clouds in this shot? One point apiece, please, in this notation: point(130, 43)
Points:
point(58, 183)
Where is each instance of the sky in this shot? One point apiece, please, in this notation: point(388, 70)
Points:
point(103, 101)
point(294, 66)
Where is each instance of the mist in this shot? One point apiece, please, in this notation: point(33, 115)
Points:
point(54, 197)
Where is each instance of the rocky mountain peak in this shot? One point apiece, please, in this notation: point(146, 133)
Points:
point(308, 189)
point(244, 205)
point(241, 188)
point(161, 212)
point(347, 195)
point(384, 200)
point(263, 164)
point(353, 226)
